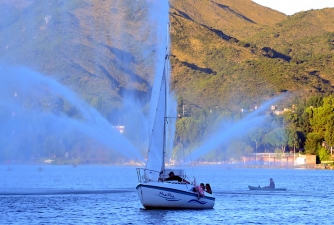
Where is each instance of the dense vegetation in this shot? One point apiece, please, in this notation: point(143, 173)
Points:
point(226, 55)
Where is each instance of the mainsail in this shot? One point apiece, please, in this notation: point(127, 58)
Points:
point(157, 147)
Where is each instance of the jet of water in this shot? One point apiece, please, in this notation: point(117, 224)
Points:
point(27, 100)
point(231, 130)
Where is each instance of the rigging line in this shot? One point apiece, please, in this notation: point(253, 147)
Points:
point(192, 166)
point(169, 144)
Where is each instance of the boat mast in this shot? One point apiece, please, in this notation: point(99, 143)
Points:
point(165, 72)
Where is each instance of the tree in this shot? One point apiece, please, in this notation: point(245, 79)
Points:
point(187, 131)
point(236, 149)
point(292, 136)
point(323, 154)
point(256, 137)
point(321, 115)
point(304, 120)
point(321, 122)
point(329, 133)
point(312, 143)
point(277, 138)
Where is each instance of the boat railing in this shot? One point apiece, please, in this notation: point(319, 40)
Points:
point(141, 178)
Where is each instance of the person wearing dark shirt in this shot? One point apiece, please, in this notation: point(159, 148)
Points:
point(271, 184)
point(173, 177)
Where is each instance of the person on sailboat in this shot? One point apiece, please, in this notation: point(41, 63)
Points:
point(199, 189)
point(208, 188)
point(173, 177)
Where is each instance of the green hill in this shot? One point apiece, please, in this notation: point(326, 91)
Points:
point(78, 43)
point(225, 66)
point(231, 53)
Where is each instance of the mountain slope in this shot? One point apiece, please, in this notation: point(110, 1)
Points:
point(212, 67)
point(81, 44)
point(237, 18)
point(226, 53)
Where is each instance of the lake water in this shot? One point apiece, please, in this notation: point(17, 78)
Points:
point(107, 195)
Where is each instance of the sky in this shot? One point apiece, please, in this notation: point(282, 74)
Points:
point(290, 7)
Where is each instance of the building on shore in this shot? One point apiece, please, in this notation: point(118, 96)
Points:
point(284, 159)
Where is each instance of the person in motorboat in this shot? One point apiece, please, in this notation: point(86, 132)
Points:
point(208, 188)
point(271, 183)
point(178, 178)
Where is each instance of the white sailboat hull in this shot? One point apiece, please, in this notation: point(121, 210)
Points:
point(172, 195)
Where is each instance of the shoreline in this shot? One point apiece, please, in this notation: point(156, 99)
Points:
point(218, 165)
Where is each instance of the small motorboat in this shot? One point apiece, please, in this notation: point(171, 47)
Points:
point(253, 188)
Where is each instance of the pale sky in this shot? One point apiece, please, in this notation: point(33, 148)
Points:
point(290, 7)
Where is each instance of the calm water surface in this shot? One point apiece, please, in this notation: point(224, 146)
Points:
point(107, 195)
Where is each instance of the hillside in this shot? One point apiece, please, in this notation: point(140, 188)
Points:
point(220, 67)
point(226, 53)
point(236, 18)
point(306, 37)
point(81, 44)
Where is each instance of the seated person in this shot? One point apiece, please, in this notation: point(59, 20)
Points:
point(199, 189)
point(208, 188)
point(173, 177)
point(271, 184)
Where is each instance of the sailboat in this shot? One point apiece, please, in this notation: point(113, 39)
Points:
point(154, 190)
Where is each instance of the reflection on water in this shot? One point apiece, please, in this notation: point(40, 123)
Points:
point(107, 195)
point(38, 191)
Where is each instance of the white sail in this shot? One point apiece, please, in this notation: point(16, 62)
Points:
point(157, 145)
